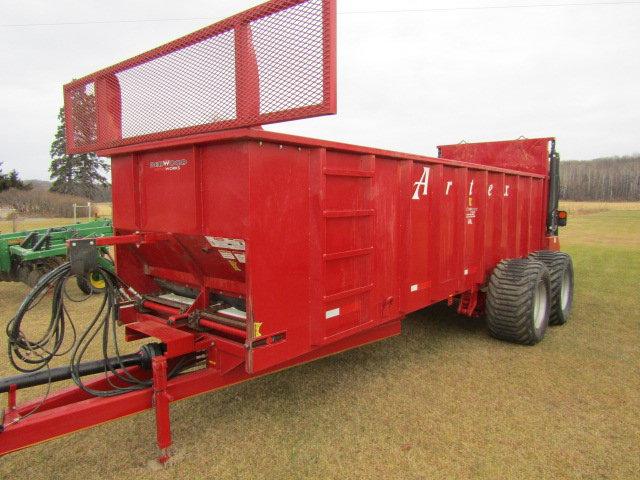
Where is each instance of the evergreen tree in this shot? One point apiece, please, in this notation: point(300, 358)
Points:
point(12, 180)
point(3, 179)
point(15, 182)
point(75, 174)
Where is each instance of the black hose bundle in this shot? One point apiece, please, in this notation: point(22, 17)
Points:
point(32, 354)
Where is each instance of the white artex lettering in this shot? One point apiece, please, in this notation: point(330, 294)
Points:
point(424, 183)
point(449, 185)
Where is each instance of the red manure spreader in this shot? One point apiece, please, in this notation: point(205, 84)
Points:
point(240, 252)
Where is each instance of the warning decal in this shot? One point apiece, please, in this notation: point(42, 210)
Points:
point(227, 255)
point(228, 243)
point(470, 214)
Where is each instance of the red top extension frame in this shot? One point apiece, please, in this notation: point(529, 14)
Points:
point(273, 63)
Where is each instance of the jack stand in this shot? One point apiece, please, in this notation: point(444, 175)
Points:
point(161, 401)
point(11, 413)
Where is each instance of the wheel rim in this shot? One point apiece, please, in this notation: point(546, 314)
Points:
point(565, 289)
point(96, 281)
point(539, 305)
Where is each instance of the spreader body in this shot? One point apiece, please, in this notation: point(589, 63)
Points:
point(323, 240)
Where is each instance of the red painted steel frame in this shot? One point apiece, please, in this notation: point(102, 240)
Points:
point(71, 409)
point(102, 122)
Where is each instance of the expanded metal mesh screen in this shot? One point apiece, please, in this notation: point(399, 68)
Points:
point(273, 63)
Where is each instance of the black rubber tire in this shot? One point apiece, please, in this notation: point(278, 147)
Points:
point(511, 298)
point(85, 285)
point(560, 269)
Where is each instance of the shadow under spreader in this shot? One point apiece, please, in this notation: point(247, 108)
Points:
point(314, 384)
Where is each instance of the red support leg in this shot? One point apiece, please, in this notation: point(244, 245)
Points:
point(161, 401)
point(11, 413)
point(11, 404)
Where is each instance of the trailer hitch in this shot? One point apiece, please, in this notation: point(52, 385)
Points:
point(83, 256)
point(143, 358)
point(150, 358)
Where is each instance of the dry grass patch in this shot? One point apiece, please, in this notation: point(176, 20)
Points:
point(442, 400)
point(35, 223)
point(586, 208)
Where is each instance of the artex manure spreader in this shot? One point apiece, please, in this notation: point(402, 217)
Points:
point(240, 252)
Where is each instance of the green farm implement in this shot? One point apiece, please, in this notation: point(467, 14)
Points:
point(26, 256)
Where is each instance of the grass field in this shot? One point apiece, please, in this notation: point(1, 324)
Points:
point(442, 400)
point(34, 223)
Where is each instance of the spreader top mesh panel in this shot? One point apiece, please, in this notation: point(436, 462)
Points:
point(273, 63)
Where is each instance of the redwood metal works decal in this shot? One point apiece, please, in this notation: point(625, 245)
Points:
point(169, 165)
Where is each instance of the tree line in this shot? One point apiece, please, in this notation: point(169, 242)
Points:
point(11, 180)
point(602, 179)
point(84, 175)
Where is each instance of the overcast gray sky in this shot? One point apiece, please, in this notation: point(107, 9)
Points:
point(407, 80)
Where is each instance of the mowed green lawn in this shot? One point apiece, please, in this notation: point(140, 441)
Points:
point(442, 400)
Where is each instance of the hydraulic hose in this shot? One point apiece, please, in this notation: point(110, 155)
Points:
point(29, 355)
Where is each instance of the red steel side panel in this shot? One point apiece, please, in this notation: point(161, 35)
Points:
point(338, 239)
point(388, 193)
point(524, 155)
point(475, 217)
point(348, 216)
point(278, 251)
point(194, 193)
point(463, 220)
point(493, 243)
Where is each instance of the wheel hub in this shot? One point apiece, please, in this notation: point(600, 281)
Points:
point(539, 305)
